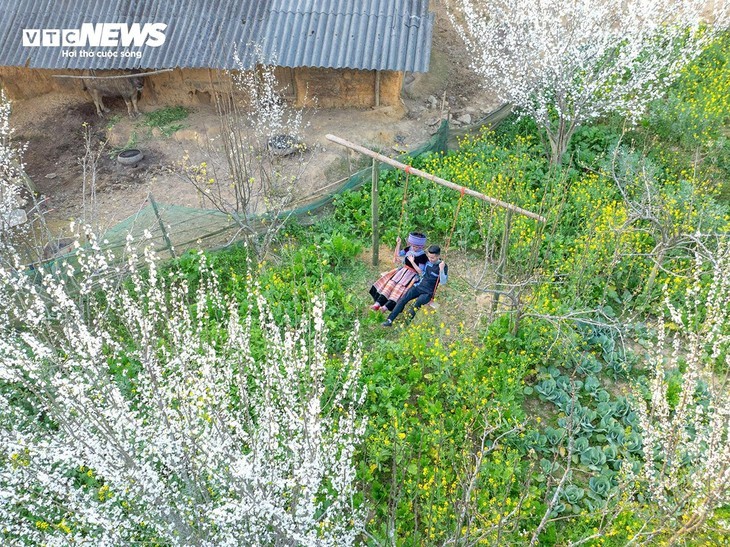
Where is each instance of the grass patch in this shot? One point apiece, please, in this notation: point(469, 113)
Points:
point(166, 119)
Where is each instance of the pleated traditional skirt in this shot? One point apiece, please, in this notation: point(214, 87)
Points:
point(392, 285)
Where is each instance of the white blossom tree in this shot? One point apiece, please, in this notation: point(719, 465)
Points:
point(148, 410)
point(686, 443)
point(566, 62)
point(11, 183)
point(262, 139)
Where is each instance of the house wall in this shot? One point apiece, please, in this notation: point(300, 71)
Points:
point(25, 83)
point(184, 87)
point(187, 87)
point(324, 88)
point(332, 88)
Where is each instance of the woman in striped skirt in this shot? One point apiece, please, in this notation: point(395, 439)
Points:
point(393, 284)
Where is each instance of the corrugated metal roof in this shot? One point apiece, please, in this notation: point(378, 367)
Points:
point(373, 34)
point(362, 34)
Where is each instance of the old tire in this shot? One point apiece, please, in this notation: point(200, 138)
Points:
point(284, 145)
point(130, 157)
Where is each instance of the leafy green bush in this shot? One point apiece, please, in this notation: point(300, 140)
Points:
point(591, 143)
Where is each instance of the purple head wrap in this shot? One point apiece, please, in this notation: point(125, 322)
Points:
point(416, 239)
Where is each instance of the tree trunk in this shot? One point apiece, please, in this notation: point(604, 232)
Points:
point(559, 139)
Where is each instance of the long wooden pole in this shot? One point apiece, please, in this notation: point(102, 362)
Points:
point(434, 178)
point(375, 198)
point(119, 77)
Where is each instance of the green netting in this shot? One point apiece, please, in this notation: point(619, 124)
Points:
point(173, 225)
point(175, 229)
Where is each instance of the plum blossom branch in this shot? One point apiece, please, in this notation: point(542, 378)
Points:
point(156, 409)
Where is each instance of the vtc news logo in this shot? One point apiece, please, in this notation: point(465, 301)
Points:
point(98, 35)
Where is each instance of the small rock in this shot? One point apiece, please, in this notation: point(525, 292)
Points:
point(415, 111)
point(432, 101)
point(464, 118)
point(51, 175)
point(16, 217)
point(433, 121)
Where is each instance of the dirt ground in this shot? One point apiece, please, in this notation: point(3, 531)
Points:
point(53, 127)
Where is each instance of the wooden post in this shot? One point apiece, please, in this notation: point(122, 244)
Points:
point(377, 88)
point(162, 227)
point(374, 198)
point(502, 258)
point(293, 78)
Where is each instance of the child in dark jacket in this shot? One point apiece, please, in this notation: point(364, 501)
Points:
point(435, 273)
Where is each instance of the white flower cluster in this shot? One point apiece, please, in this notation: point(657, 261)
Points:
point(147, 409)
point(271, 115)
point(11, 167)
point(687, 445)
